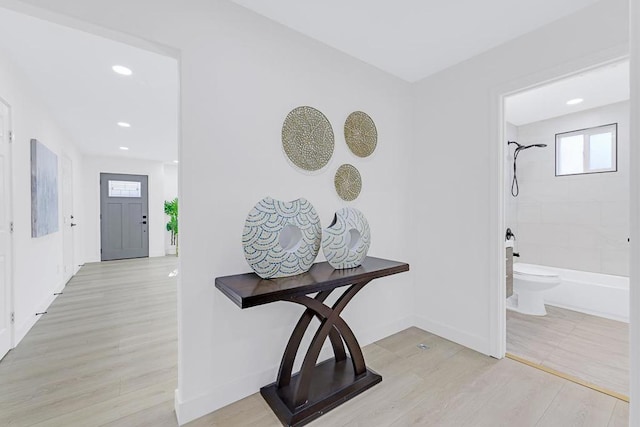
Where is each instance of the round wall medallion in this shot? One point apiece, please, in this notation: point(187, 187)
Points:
point(307, 138)
point(348, 182)
point(361, 134)
point(281, 239)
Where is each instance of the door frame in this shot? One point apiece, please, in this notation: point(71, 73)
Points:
point(10, 263)
point(497, 271)
point(146, 180)
point(73, 255)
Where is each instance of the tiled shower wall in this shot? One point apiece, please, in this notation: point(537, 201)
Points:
point(578, 222)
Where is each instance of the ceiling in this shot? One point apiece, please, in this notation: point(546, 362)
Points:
point(413, 39)
point(602, 86)
point(71, 71)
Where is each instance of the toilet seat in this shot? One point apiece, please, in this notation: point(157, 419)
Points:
point(531, 270)
point(534, 274)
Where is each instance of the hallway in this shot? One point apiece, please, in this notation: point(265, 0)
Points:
point(105, 352)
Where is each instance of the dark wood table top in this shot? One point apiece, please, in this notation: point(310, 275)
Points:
point(249, 289)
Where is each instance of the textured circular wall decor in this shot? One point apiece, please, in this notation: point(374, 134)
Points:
point(361, 134)
point(281, 239)
point(348, 182)
point(307, 138)
point(346, 241)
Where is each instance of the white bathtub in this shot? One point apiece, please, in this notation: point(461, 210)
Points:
point(602, 295)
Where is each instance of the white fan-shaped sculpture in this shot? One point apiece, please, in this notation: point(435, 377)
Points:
point(346, 241)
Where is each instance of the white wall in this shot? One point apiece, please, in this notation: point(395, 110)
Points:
point(170, 193)
point(37, 262)
point(458, 151)
point(579, 222)
point(92, 167)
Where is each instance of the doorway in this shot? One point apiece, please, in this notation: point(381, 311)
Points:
point(124, 216)
point(6, 226)
point(568, 226)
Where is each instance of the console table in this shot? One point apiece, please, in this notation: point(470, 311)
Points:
point(299, 398)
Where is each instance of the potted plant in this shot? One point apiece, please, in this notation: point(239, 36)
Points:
point(171, 209)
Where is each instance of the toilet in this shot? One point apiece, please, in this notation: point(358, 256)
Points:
point(529, 285)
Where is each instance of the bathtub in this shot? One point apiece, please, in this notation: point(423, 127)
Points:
point(598, 294)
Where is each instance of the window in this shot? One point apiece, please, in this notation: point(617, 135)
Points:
point(124, 189)
point(587, 151)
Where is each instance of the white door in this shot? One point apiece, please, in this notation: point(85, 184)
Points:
point(67, 217)
point(6, 329)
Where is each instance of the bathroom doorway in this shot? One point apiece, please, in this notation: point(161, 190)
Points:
point(566, 210)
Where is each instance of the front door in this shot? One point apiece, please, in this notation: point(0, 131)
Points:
point(124, 216)
point(5, 233)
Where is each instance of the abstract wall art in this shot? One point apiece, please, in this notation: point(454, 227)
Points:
point(348, 182)
point(361, 134)
point(307, 138)
point(44, 190)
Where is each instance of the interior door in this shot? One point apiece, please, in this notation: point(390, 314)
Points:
point(5, 233)
point(67, 217)
point(124, 216)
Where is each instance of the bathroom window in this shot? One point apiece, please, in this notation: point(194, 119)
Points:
point(590, 150)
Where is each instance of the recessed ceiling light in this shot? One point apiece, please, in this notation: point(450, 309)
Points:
point(121, 69)
point(124, 125)
point(124, 148)
point(575, 101)
point(175, 161)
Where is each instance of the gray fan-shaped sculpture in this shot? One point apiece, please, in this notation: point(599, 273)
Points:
point(281, 239)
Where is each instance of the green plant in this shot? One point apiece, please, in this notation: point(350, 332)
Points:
point(171, 209)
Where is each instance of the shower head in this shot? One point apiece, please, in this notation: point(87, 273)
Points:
point(524, 147)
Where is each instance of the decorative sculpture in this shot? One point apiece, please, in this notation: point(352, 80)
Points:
point(346, 241)
point(281, 239)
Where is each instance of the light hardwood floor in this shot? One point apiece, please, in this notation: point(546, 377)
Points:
point(105, 355)
point(447, 385)
point(105, 351)
point(591, 348)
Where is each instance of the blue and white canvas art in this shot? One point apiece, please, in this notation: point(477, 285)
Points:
point(44, 190)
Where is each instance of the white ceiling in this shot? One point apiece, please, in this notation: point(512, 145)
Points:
point(413, 39)
point(71, 71)
point(599, 87)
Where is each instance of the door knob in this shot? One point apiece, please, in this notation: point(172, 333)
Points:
point(73, 225)
point(143, 222)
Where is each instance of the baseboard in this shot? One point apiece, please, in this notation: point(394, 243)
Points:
point(591, 312)
point(194, 408)
point(22, 330)
point(474, 342)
